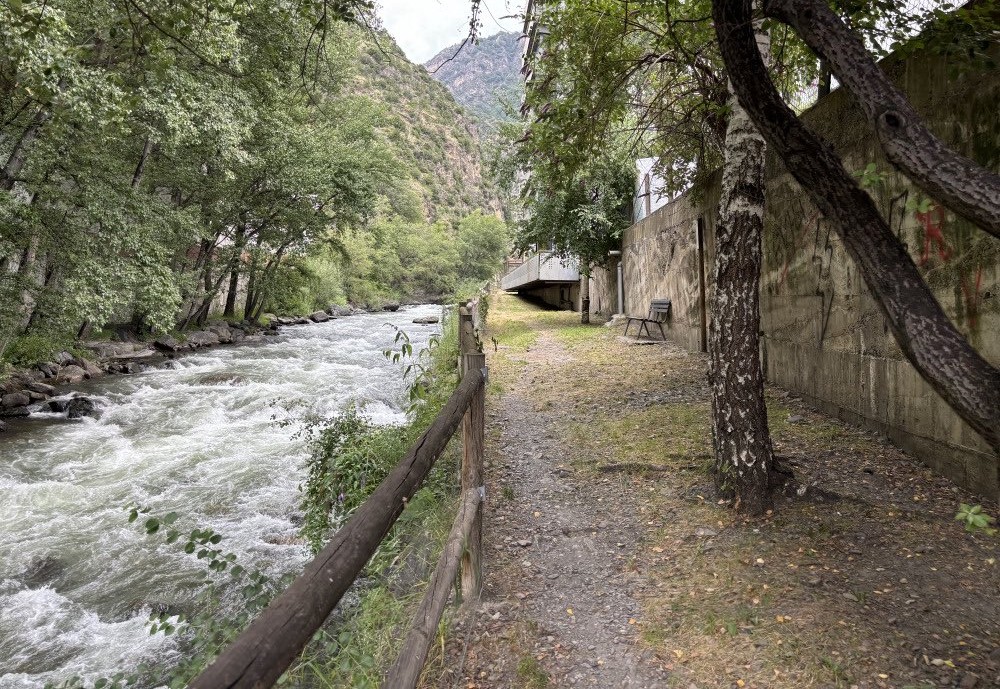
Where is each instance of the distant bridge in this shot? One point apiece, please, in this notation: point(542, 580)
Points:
point(548, 277)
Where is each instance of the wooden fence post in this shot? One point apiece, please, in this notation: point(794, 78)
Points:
point(466, 337)
point(473, 446)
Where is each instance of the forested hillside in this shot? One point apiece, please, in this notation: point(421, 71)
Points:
point(161, 164)
point(484, 76)
point(435, 142)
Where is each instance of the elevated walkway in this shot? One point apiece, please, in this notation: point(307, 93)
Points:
point(539, 271)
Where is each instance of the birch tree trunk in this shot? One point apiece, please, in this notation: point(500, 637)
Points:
point(585, 294)
point(743, 452)
point(968, 383)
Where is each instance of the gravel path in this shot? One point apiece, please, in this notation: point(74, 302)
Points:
point(560, 596)
point(610, 561)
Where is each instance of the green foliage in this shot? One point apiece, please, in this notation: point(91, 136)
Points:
point(483, 244)
point(871, 177)
point(30, 349)
point(348, 458)
point(583, 214)
point(975, 519)
point(357, 652)
point(349, 455)
point(419, 261)
point(620, 81)
point(150, 151)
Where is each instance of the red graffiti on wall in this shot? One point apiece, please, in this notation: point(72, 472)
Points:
point(933, 222)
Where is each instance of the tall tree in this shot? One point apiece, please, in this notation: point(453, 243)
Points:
point(742, 439)
point(655, 80)
point(927, 338)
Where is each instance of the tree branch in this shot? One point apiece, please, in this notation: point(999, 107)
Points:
point(956, 181)
point(927, 338)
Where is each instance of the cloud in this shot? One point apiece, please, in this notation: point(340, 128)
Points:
point(423, 28)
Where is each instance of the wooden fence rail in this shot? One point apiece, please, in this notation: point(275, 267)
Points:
point(259, 656)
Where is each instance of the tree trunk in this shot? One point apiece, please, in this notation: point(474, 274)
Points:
point(234, 274)
point(741, 438)
point(270, 269)
point(19, 153)
point(140, 167)
point(248, 305)
point(50, 278)
point(929, 341)
point(231, 294)
point(27, 273)
point(963, 185)
point(585, 295)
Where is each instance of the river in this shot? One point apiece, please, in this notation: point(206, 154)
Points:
point(202, 437)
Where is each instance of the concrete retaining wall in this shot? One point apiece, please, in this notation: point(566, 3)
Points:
point(824, 337)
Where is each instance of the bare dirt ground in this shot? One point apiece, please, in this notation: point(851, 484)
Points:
point(609, 562)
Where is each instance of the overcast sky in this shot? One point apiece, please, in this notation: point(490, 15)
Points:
point(424, 27)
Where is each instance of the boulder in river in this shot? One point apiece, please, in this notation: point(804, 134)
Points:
point(319, 317)
point(14, 412)
point(426, 320)
point(42, 571)
point(110, 350)
point(48, 369)
point(64, 358)
point(15, 399)
point(221, 378)
point(222, 331)
point(391, 306)
point(337, 311)
point(58, 406)
point(166, 344)
point(78, 407)
point(202, 338)
point(3, 426)
point(71, 374)
point(92, 370)
point(36, 386)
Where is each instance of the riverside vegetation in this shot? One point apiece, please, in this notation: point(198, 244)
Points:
point(167, 163)
point(348, 456)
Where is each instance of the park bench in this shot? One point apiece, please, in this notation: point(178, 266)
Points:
point(659, 312)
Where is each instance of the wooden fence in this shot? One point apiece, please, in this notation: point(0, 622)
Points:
point(259, 656)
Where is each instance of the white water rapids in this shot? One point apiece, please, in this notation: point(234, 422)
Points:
point(77, 581)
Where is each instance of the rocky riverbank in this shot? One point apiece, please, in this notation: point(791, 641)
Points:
point(46, 386)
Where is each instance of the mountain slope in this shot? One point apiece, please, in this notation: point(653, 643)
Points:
point(433, 139)
point(483, 76)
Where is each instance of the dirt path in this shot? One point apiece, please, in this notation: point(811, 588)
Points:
point(609, 563)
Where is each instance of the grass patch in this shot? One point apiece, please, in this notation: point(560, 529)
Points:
point(531, 674)
point(675, 435)
point(577, 335)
